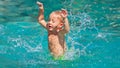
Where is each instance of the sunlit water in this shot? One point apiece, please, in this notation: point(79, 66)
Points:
point(93, 40)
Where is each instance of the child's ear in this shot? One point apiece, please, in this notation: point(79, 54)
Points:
point(64, 13)
point(60, 27)
point(61, 24)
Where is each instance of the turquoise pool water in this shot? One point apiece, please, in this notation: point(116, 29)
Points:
point(93, 41)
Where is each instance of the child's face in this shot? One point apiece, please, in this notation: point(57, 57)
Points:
point(54, 21)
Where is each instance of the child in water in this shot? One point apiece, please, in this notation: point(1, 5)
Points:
point(57, 27)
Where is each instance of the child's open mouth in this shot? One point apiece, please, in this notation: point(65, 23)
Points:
point(50, 26)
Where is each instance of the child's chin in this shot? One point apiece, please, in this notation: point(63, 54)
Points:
point(51, 29)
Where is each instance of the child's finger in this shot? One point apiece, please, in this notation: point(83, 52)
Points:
point(39, 3)
point(64, 10)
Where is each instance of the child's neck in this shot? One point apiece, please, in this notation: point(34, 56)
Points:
point(52, 32)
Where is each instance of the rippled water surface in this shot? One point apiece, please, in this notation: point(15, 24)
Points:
point(93, 40)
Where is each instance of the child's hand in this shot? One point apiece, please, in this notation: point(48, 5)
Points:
point(64, 13)
point(40, 5)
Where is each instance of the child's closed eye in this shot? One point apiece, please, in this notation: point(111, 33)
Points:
point(53, 21)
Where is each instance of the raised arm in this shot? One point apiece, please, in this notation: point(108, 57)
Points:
point(66, 22)
point(41, 15)
point(66, 27)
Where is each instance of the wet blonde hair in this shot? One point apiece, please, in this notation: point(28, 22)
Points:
point(58, 13)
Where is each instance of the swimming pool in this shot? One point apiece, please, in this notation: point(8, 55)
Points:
point(93, 40)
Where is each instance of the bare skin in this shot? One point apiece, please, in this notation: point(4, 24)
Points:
point(57, 27)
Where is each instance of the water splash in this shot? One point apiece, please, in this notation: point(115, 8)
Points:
point(81, 34)
point(25, 43)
